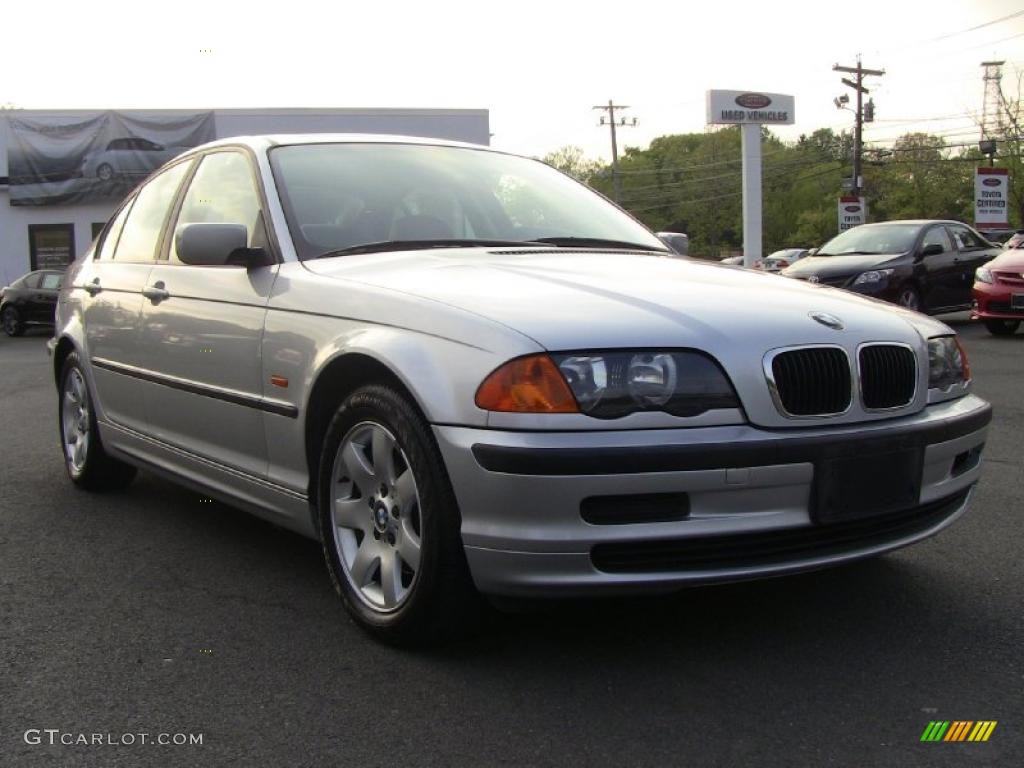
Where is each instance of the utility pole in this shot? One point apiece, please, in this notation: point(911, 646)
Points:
point(858, 136)
point(610, 108)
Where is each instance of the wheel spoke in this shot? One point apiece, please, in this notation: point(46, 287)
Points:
point(405, 488)
point(358, 471)
point(352, 513)
point(409, 546)
point(390, 577)
point(365, 561)
point(383, 456)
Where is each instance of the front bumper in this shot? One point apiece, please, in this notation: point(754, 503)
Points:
point(994, 301)
point(748, 491)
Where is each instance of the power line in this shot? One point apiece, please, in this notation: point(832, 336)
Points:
point(975, 28)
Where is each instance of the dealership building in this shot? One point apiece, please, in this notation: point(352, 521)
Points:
point(63, 172)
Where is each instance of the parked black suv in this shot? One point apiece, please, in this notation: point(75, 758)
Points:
point(924, 265)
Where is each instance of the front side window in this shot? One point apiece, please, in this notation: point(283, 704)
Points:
point(937, 236)
point(51, 281)
point(32, 281)
point(140, 237)
point(339, 196)
point(222, 192)
point(109, 242)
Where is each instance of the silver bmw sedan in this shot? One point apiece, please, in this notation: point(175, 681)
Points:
point(467, 374)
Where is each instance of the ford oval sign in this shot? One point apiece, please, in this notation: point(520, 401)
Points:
point(753, 100)
point(852, 209)
point(991, 182)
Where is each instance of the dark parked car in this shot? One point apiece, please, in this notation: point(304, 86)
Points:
point(30, 300)
point(924, 265)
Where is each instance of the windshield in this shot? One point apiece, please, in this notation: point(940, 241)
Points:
point(872, 239)
point(786, 253)
point(342, 196)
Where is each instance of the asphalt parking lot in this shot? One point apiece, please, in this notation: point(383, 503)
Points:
point(154, 611)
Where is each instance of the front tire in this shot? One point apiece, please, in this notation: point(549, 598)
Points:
point(13, 326)
point(389, 522)
point(910, 298)
point(88, 465)
point(1002, 327)
point(105, 172)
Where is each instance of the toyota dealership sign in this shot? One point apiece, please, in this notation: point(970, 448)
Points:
point(991, 198)
point(739, 107)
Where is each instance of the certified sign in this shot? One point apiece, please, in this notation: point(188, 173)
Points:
point(737, 107)
point(852, 212)
point(991, 198)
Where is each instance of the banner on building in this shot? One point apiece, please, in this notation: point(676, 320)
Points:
point(991, 198)
point(853, 212)
point(94, 158)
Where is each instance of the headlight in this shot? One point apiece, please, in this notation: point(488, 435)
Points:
point(609, 384)
point(983, 275)
point(873, 276)
point(947, 363)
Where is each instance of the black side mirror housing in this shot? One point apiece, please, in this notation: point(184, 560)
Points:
point(932, 249)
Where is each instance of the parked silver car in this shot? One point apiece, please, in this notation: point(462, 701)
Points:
point(128, 156)
point(464, 372)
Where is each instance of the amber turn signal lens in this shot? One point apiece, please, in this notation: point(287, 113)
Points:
point(527, 385)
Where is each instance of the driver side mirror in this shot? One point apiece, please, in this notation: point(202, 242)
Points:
point(932, 249)
point(812, 252)
point(217, 245)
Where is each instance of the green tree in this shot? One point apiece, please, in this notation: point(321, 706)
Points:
point(573, 161)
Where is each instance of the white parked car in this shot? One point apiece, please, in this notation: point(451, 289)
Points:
point(779, 260)
point(464, 372)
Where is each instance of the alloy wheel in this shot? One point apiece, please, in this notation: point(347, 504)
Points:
point(909, 299)
point(375, 516)
point(75, 420)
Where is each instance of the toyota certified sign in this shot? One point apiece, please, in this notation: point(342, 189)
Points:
point(991, 198)
point(737, 107)
point(852, 212)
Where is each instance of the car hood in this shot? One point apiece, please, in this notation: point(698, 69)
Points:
point(567, 300)
point(1010, 261)
point(839, 266)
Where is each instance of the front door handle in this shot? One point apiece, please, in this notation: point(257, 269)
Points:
point(94, 287)
point(156, 292)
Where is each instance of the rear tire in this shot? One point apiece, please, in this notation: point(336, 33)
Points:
point(87, 463)
point(13, 326)
point(105, 172)
point(389, 522)
point(1002, 327)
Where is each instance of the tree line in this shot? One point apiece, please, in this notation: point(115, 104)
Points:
point(691, 182)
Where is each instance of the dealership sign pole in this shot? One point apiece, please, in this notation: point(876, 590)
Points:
point(750, 110)
point(991, 196)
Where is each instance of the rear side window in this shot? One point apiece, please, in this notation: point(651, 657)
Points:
point(966, 239)
point(109, 243)
point(222, 192)
point(51, 282)
point(141, 234)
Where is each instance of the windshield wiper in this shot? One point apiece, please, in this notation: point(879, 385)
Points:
point(594, 242)
point(854, 253)
point(414, 245)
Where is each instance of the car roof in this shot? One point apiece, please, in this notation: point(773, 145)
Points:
point(268, 141)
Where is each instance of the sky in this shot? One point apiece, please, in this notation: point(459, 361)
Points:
point(539, 67)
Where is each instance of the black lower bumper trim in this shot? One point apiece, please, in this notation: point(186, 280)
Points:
point(768, 548)
point(680, 458)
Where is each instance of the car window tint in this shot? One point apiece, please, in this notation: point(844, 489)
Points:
point(937, 235)
point(110, 239)
point(141, 233)
point(32, 281)
point(221, 192)
point(51, 282)
point(965, 238)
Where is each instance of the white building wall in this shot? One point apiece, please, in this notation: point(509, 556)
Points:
point(470, 125)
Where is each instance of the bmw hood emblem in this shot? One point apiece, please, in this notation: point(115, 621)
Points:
point(830, 321)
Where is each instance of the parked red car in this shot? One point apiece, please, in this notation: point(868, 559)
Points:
point(999, 293)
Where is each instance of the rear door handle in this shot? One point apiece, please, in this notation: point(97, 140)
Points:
point(156, 292)
point(94, 287)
